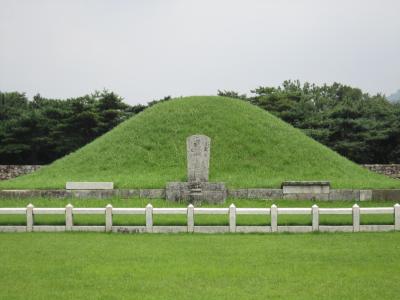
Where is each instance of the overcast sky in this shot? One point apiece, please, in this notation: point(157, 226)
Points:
point(148, 49)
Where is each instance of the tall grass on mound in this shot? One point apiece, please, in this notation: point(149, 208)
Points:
point(249, 148)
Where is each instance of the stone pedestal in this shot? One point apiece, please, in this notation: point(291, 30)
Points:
point(197, 189)
point(305, 187)
point(210, 192)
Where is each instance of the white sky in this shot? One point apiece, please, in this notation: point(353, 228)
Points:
point(148, 49)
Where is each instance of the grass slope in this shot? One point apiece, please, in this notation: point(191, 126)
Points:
point(184, 266)
point(249, 148)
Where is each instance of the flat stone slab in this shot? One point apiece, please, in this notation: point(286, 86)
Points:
point(365, 195)
point(383, 195)
point(255, 193)
point(89, 185)
point(344, 194)
point(306, 187)
point(210, 192)
point(306, 183)
point(306, 196)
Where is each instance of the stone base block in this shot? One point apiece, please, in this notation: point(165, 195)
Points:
point(128, 193)
point(344, 195)
point(255, 193)
point(98, 194)
point(210, 192)
point(365, 195)
point(177, 191)
point(393, 195)
point(152, 193)
point(306, 196)
point(238, 193)
point(306, 187)
point(89, 185)
point(264, 194)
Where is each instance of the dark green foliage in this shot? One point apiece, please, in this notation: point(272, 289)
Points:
point(231, 94)
point(364, 128)
point(166, 98)
point(42, 130)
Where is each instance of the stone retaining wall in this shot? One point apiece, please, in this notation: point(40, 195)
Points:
point(271, 194)
point(391, 170)
point(11, 171)
point(96, 194)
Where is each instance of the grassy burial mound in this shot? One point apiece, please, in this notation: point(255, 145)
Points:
point(249, 148)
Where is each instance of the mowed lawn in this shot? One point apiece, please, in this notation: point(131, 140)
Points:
point(199, 266)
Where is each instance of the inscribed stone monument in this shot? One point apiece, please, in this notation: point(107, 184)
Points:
point(198, 158)
point(197, 189)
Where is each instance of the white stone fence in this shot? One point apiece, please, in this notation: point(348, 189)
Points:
point(149, 211)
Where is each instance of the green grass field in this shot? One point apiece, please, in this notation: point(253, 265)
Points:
point(249, 148)
point(196, 266)
point(199, 219)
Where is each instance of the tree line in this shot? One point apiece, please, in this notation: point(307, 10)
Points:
point(42, 130)
point(364, 128)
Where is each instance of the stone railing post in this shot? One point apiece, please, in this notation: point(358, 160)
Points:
point(69, 221)
point(356, 218)
point(29, 218)
point(190, 218)
point(274, 218)
point(232, 218)
point(109, 218)
point(315, 217)
point(149, 218)
point(397, 216)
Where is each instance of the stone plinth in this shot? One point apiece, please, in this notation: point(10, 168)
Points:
point(306, 187)
point(89, 186)
point(197, 189)
point(210, 192)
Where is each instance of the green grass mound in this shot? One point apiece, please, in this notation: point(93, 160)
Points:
point(249, 148)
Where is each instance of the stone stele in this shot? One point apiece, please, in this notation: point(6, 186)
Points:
point(198, 158)
point(197, 189)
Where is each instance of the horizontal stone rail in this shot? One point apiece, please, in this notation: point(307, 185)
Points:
point(232, 212)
